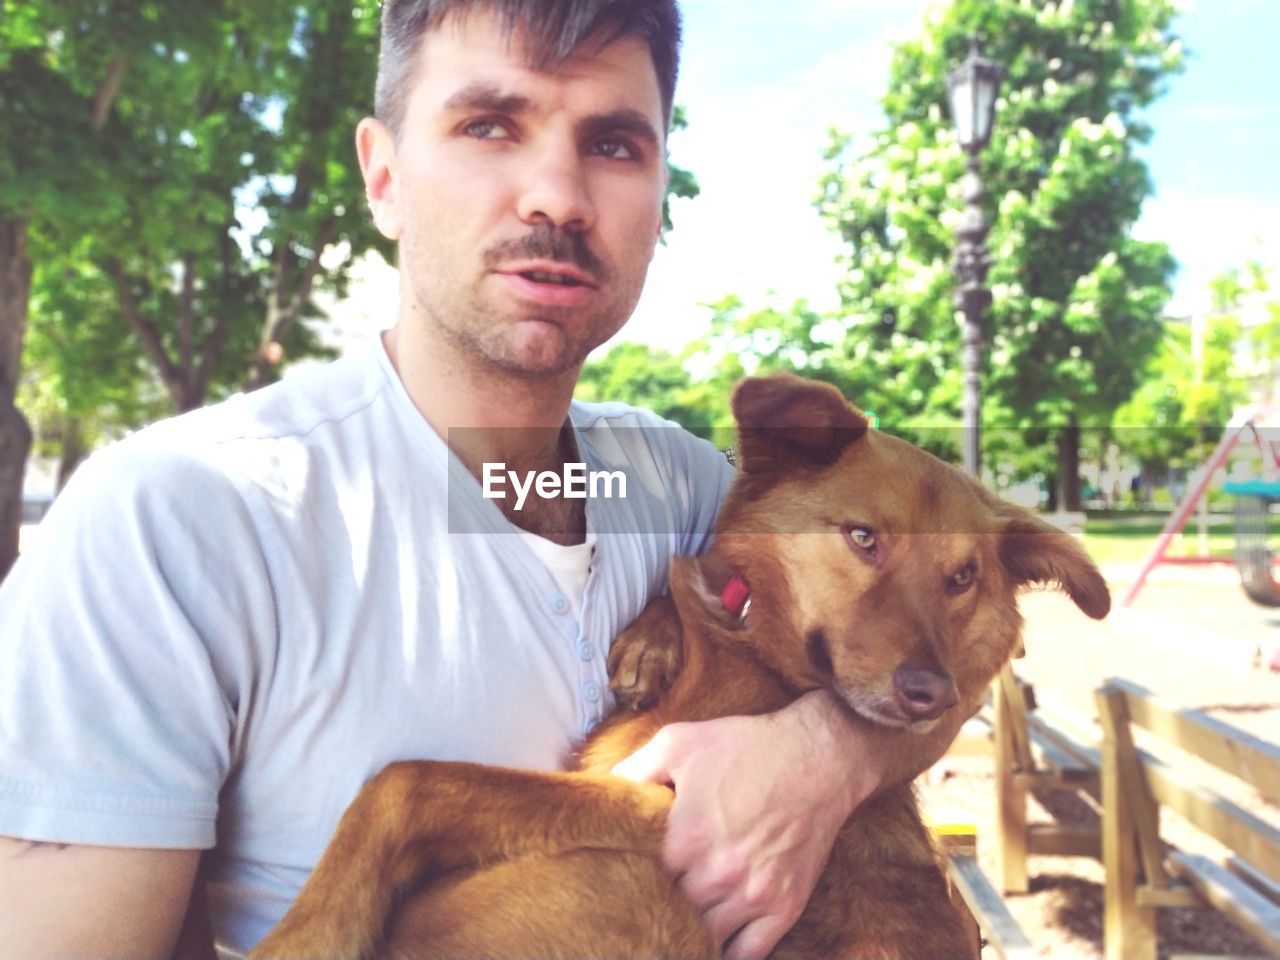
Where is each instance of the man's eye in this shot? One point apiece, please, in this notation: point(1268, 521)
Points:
point(486, 130)
point(614, 149)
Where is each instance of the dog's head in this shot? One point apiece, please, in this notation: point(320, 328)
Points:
point(875, 569)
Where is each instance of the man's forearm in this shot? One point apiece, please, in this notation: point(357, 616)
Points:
point(92, 903)
point(875, 757)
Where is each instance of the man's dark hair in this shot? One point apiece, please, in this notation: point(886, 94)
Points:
point(553, 29)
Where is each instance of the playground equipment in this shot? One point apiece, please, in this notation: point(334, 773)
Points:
point(1253, 501)
point(1251, 421)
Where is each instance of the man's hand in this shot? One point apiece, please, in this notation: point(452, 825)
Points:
point(759, 801)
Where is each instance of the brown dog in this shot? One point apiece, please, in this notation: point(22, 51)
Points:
point(875, 571)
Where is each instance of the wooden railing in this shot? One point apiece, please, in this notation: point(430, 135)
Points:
point(1039, 745)
point(1143, 871)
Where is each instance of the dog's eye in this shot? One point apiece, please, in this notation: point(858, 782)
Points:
point(861, 537)
point(962, 578)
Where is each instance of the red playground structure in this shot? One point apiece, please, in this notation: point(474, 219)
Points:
point(1254, 421)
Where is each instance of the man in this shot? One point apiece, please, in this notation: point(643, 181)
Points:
point(235, 618)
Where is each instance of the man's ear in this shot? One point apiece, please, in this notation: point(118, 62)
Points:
point(376, 149)
point(784, 420)
point(1034, 551)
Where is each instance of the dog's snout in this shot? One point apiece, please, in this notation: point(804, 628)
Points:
point(923, 694)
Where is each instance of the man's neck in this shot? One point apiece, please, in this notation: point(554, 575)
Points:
point(523, 416)
point(489, 418)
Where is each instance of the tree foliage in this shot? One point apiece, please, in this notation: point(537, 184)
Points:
point(680, 182)
point(1077, 301)
point(177, 185)
point(1248, 292)
point(1187, 394)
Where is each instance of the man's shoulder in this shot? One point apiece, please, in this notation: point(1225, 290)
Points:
point(244, 439)
point(632, 429)
point(297, 406)
point(613, 415)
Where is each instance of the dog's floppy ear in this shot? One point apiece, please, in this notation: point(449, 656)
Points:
point(1034, 551)
point(784, 420)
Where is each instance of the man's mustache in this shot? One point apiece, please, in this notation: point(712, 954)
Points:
point(547, 242)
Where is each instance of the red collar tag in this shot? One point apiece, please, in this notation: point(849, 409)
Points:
point(736, 596)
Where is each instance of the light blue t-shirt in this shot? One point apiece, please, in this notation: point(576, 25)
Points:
point(236, 617)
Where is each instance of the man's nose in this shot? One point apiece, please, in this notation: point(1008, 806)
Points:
point(555, 190)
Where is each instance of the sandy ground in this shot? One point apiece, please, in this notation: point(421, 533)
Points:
point(1191, 636)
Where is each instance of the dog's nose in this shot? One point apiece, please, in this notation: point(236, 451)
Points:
point(923, 694)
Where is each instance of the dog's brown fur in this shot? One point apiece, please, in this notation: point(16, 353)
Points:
point(488, 862)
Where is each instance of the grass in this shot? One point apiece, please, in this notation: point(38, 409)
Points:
point(1123, 537)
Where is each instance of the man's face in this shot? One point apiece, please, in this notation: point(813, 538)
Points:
point(527, 203)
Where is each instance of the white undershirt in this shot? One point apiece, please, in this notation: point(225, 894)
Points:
point(568, 565)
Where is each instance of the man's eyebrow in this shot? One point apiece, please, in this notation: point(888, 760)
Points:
point(626, 121)
point(488, 98)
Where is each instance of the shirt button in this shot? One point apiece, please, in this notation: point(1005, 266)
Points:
point(591, 691)
point(560, 603)
point(584, 649)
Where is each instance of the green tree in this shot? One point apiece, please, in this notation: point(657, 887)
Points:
point(196, 162)
point(657, 380)
point(223, 235)
point(1187, 394)
point(62, 65)
point(82, 381)
point(1249, 290)
point(1077, 301)
point(680, 182)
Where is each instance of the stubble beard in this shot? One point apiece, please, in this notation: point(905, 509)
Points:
point(523, 345)
point(481, 340)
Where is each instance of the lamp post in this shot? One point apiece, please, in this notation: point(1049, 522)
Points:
point(972, 88)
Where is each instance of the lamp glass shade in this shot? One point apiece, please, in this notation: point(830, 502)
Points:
point(972, 88)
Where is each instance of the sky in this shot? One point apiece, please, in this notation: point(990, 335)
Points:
point(763, 82)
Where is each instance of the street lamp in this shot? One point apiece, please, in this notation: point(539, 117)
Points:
point(972, 88)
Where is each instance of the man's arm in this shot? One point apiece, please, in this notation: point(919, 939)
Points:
point(75, 902)
point(759, 801)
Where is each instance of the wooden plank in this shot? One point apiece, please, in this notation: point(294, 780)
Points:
point(1255, 878)
point(989, 909)
point(1011, 796)
point(1239, 753)
point(1071, 723)
point(1142, 807)
point(1059, 758)
point(1065, 840)
point(1177, 895)
point(1129, 930)
point(1011, 697)
point(1085, 754)
point(1231, 895)
point(1067, 744)
point(1227, 822)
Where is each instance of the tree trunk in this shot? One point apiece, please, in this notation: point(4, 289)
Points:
point(287, 299)
point(185, 384)
point(73, 451)
point(1069, 468)
point(15, 432)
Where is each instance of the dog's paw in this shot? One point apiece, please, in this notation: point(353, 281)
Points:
point(646, 657)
